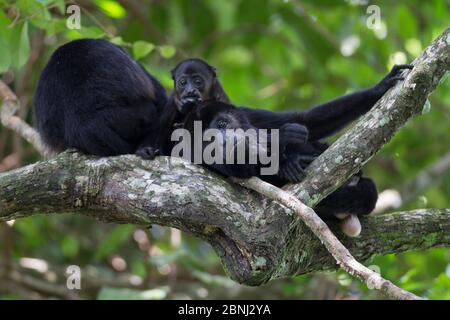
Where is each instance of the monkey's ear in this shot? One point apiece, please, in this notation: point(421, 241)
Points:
point(213, 71)
point(218, 92)
point(172, 73)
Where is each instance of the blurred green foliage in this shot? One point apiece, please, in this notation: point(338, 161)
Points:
point(269, 54)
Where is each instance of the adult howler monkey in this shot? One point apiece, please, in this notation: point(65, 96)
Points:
point(94, 97)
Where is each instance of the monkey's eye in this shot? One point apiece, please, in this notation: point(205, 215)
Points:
point(182, 82)
point(198, 82)
point(221, 124)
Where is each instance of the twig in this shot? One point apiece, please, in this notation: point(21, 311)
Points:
point(428, 177)
point(333, 245)
point(42, 286)
point(10, 120)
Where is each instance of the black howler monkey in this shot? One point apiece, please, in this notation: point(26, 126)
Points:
point(195, 81)
point(94, 97)
point(356, 197)
point(227, 119)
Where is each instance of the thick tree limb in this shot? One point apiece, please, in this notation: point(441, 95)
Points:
point(256, 238)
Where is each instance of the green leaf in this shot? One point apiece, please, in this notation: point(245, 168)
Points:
point(20, 45)
point(86, 32)
point(37, 11)
point(117, 41)
point(167, 52)
point(5, 34)
point(142, 48)
point(111, 8)
point(5, 56)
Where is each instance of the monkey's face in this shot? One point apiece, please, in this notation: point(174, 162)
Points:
point(223, 121)
point(234, 134)
point(193, 81)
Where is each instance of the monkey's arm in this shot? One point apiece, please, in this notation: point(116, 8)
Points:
point(327, 118)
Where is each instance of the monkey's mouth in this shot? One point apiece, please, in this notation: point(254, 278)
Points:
point(191, 99)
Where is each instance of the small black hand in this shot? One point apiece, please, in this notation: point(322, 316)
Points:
point(392, 77)
point(292, 168)
point(187, 107)
point(148, 153)
point(293, 133)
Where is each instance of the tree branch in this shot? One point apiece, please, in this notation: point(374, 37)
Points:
point(9, 118)
point(256, 238)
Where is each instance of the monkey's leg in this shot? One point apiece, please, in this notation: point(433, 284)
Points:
point(358, 199)
point(99, 139)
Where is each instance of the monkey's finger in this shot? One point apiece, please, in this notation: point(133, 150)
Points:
point(282, 174)
point(391, 82)
point(290, 175)
point(299, 172)
point(398, 67)
point(397, 78)
point(309, 158)
point(297, 138)
point(297, 133)
point(296, 172)
point(148, 153)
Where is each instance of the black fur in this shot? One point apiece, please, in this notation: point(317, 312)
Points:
point(357, 196)
point(94, 97)
point(209, 112)
point(183, 100)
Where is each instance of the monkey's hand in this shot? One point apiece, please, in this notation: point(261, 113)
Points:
point(189, 103)
point(293, 133)
point(187, 107)
point(293, 167)
point(148, 153)
point(392, 77)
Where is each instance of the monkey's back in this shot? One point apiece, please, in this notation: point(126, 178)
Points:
point(91, 79)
